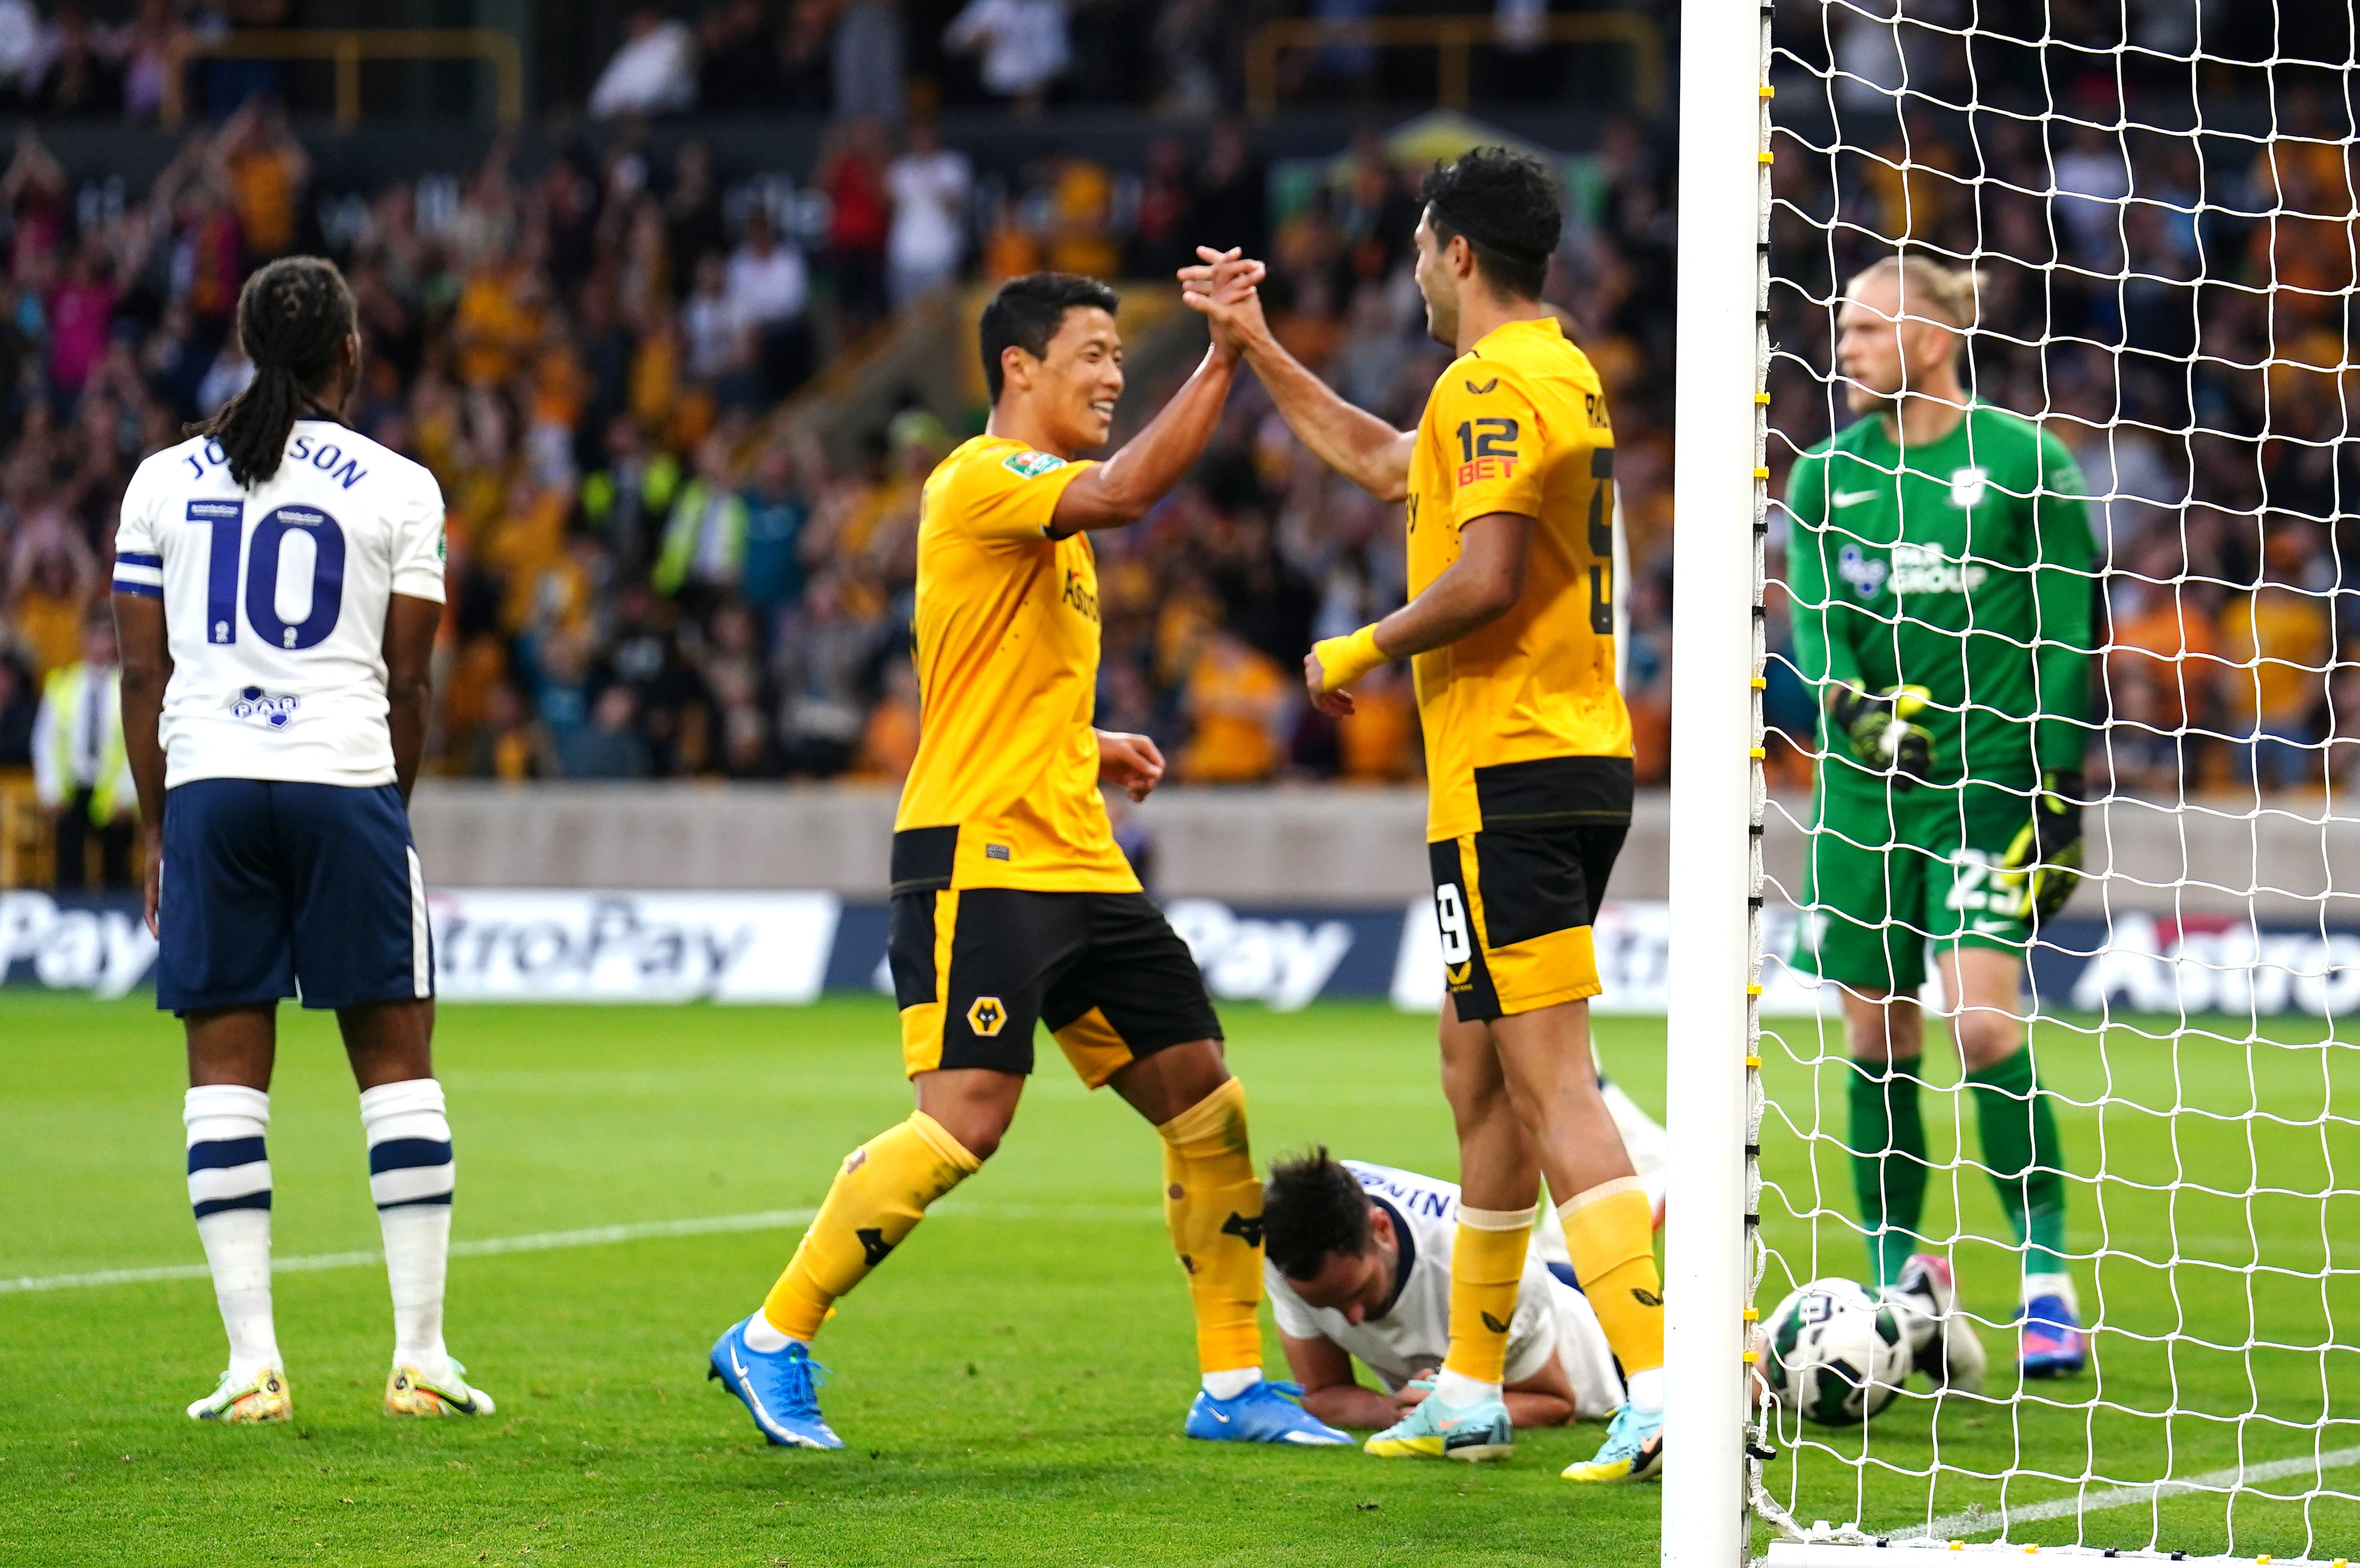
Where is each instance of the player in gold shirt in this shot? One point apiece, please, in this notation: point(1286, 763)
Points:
point(1011, 904)
point(1509, 626)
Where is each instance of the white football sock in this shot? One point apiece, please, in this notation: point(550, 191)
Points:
point(760, 1335)
point(1457, 1388)
point(229, 1191)
point(411, 1176)
point(1230, 1383)
point(2038, 1285)
point(1645, 1391)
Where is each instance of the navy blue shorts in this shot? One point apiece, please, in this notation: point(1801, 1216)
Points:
point(270, 886)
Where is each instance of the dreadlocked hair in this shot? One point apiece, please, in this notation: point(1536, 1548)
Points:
point(292, 317)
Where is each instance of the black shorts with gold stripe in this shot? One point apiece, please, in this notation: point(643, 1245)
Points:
point(1515, 899)
point(974, 968)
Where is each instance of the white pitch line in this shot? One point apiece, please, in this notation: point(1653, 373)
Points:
point(1979, 1521)
point(595, 1236)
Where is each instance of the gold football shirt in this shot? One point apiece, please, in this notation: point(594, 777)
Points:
point(1007, 638)
point(1518, 424)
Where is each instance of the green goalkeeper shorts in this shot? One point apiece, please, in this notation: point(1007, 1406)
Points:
point(1885, 875)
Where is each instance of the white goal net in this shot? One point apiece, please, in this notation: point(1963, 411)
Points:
point(2059, 544)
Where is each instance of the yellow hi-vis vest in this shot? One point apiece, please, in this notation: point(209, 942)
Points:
point(62, 696)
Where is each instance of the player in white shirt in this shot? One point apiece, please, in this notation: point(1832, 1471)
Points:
point(277, 586)
point(1357, 1262)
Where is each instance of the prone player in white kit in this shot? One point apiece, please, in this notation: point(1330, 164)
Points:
point(1358, 1266)
point(278, 585)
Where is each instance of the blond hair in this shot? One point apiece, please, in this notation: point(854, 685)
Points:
point(1928, 290)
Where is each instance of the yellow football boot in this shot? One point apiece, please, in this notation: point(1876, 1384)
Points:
point(409, 1392)
point(260, 1401)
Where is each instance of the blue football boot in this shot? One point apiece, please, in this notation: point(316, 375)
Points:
point(1264, 1413)
point(780, 1387)
point(2053, 1344)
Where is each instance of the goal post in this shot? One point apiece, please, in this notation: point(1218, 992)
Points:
point(1714, 853)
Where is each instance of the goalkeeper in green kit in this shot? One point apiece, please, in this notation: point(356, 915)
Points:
point(1941, 569)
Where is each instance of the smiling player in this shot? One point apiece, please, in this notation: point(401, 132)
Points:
point(1011, 904)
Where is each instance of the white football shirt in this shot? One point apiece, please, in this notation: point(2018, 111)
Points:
point(1410, 1340)
point(275, 601)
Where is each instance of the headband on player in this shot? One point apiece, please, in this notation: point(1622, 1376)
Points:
point(1476, 235)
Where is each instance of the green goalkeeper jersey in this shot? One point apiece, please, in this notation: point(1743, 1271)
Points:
point(1966, 567)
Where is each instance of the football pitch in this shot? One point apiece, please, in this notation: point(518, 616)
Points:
point(1011, 1387)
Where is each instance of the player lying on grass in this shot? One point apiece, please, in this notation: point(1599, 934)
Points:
point(1509, 481)
point(1941, 563)
point(274, 759)
point(1359, 1266)
point(1011, 904)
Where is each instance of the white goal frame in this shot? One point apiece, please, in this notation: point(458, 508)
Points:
point(1716, 856)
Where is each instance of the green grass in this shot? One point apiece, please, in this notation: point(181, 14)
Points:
point(2215, 1155)
point(1012, 1385)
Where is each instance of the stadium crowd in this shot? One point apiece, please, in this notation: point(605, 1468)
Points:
point(656, 571)
point(2175, 305)
point(653, 571)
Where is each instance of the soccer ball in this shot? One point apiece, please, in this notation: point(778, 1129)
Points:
point(1834, 1353)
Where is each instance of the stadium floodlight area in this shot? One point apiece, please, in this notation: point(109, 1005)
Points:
point(2159, 230)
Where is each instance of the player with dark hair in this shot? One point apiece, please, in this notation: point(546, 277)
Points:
point(1359, 1266)
point(1509, 481)
point(1011, 904)
point(274, 759)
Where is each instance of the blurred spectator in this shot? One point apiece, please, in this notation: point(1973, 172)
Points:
point(1239, 699)
point(776, 510)
point(704, 541)
point(268, 174)
point(1232, 204)
point(81, 772)
point(890, 742)
point(821, 662)
point(654, 72)
point(1377, 742)
point(769, 288)
point(1024, 44)
point(19, 704)
point(929, 184)
point(609, 746)
point(865, 62)
point(2278, 641)
point(852, 172)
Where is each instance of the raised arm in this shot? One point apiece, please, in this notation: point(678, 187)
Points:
point(1357, 444)
point(410, 628)
point(1122, 489)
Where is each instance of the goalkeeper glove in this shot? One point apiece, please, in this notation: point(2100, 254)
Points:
point(2045, 861)
point(1881, 734)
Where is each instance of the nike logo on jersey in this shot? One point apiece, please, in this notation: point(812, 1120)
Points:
point(1855, 497)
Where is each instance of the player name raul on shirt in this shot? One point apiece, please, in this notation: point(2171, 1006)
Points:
point(1007, 633)
point(275, 601)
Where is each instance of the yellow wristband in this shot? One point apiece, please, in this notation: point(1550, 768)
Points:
point(1344, 659)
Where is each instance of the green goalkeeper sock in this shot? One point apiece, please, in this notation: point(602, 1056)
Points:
point(1889, 1161)
point(2019, 1132)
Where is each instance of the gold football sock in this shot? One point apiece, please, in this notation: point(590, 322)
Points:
point(1610, 1232)
point(876, 1200)
point(1487, 1263)
point(1213, 1205)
